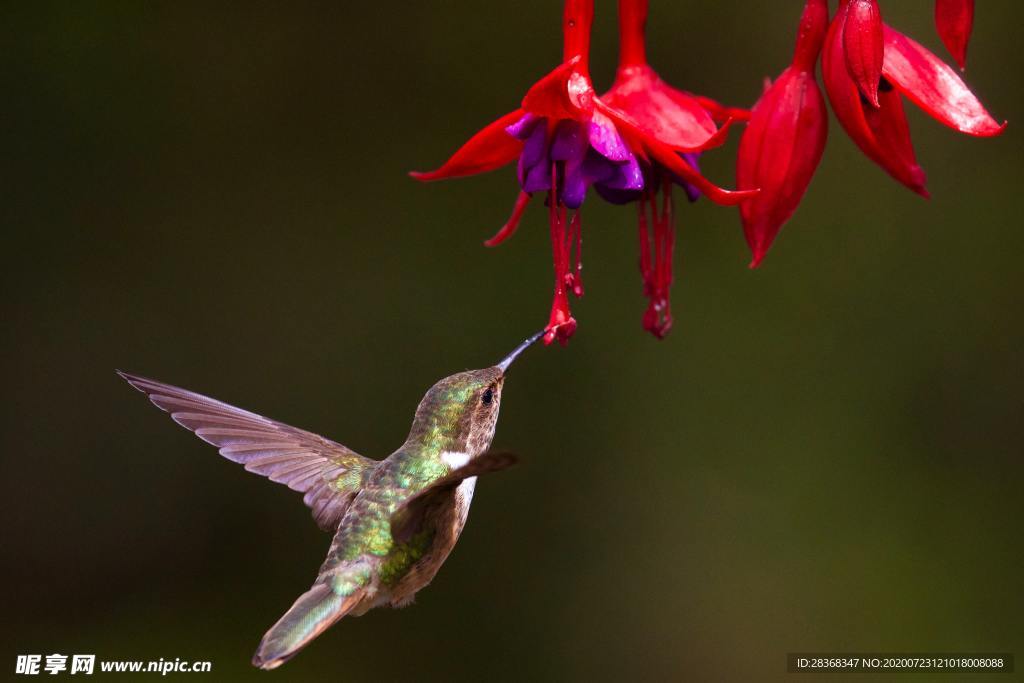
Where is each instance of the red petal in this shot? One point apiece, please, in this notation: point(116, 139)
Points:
point(674, 118)
point(929, 83)
point(562, 94)
point(862, 43)
point(779, 152)
point(954, 20)
point(489, 149)
point(884, 137)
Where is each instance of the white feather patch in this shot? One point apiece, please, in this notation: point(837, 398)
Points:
point(454, 459)
point(463, 499)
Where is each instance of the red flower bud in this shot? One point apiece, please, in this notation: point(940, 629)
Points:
point(862, 43)
point(881, 133)
point(784, 140)
point(954, 20)
point(910, 70)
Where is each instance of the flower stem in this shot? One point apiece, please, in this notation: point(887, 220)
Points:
point(811, 34)
point(632, 21)
point(577, 18)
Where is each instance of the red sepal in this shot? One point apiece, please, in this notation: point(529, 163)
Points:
point(891, 132)
point(489, 149)
point(954, 20)
point(512, 224)
point(562, 94)
point(931, 84)
point(660, 111)
point(650, 148)
point(721, 112)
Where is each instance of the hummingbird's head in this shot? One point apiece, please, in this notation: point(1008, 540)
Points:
point(458, 415)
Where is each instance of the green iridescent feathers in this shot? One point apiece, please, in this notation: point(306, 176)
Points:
point(448, 412)
point(407, 520)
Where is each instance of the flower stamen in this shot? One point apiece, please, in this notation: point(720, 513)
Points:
point(657, 279)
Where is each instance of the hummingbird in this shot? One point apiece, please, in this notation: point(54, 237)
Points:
point(394, 521)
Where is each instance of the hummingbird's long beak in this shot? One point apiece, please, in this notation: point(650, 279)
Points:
point(507, 360)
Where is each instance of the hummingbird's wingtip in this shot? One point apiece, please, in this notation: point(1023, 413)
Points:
point(126, 376)
point(134, 381)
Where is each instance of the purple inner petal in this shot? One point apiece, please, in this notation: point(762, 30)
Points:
point(535, 147)
point(569, 141)
point(537, 178)
point(574, 184)
point(624, 184)
point(613, 196)
point(586, 153)
point(628, 176)
point(534, 154)
point(692, 193)
point(605, 139)
point(597, 168)
point(522, 128)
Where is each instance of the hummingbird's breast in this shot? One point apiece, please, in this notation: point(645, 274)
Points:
point(364, 535)
point(447, 523)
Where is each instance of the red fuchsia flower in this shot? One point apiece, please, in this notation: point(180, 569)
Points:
point(785, 138)
point(566, 140)
point(908, 69)
point(667, 129)
point(954, 20)
point(563, 145)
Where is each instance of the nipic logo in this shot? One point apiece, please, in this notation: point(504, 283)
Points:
point(33, 665)
point(55, 664)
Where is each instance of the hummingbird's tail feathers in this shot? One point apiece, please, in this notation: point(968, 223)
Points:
point(311, 615)
point(329, 474)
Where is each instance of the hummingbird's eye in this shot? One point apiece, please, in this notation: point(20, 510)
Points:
point(488, 396)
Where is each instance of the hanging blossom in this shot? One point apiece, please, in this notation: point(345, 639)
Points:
point(667, 129)
point(566, 140)
point(642, 137)
point(785, 138)
point(879, 126)
point(867, 68)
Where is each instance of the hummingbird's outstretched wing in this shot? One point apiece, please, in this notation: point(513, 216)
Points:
point(407, 520)
point(329, 474)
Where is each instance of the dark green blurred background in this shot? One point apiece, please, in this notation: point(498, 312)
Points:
point(824, 455)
